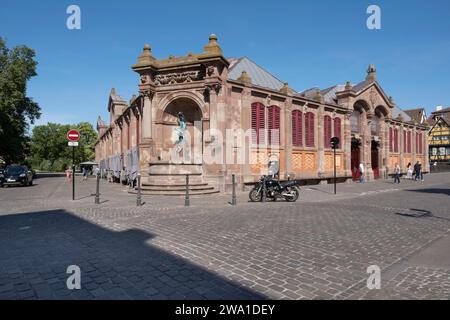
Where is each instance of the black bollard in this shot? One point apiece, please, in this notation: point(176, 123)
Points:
point(97, 189)
point(139, 197)
point(186, 199)
point(233, 196)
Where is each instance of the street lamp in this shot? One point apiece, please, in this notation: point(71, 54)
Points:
point(334, 145)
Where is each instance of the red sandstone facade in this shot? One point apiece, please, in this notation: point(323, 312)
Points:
point(295, 127)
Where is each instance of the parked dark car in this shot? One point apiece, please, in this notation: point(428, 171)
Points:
point(17, 175)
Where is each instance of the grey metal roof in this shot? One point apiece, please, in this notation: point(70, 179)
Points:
point(397, 111)
point(258, 75)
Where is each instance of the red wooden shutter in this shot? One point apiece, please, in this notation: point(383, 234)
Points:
point(296, 128)
point(409, 141)
point(337, 130)
point(390, 140)
point(420, 143)
point(258, 123)
point(395, 140)
point(327, 131)
point(309, 123)
point(405, 143)
point(274, 125)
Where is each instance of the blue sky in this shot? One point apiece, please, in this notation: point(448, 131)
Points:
point(307, 43)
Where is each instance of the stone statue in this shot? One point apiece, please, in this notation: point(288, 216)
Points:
point(179, 136)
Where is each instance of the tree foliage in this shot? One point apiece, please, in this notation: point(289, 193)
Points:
point(49, 148)
point(17, 67)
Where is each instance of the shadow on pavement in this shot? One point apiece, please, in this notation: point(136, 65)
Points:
point(36, 249)
point(433, 190)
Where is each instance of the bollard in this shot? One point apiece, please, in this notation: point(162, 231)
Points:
point(186, 199)
point(264, 190)
point(139, 196)
point(97, 189)
point(233, 196)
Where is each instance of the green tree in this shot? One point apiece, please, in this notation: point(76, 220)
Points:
point(17, 66)
point(49, 148)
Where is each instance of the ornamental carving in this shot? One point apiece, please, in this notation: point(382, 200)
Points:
point(173, 78)
point(373, 96)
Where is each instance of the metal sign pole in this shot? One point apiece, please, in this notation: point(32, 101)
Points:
point(334, 149)
point(233, 197)
point(73, 173)
point(186, 199)
point(97, 189)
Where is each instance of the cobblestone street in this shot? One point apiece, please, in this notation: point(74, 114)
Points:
point(317, 248)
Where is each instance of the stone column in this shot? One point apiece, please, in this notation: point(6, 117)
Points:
point(414, 146)
point(288, 137)
point(347, 144)
point(320, 141)
point(366, 144)
point(401, 133)
point(147, 121)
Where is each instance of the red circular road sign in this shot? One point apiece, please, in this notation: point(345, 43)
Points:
point(73, 135)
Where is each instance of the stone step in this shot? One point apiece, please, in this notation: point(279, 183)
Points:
point(180, 188)
point(175, 193)
point(199, 184)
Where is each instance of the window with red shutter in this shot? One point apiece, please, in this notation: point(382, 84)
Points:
point(390, 140)
point(337, 130)
point(297, 128)
point(258, 123)
point(327, 131)
point(274, 125)
point(309, 129)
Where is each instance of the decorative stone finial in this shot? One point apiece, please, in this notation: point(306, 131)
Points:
point(348, 85)
point(213, 45)
point(400, 117)
point(146, 56)
point(371, 73)
point(285, 89)
point(244, 77)
point(113, 91)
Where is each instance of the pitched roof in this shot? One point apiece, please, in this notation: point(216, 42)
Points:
point(258, 75)
point(416, 114)
point(444, 114)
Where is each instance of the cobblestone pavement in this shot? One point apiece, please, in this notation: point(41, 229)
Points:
point(317, 248)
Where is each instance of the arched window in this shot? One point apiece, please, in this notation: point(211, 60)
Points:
point(327, 131)
point(297, 128)
point(337, 130)
point(274, 125)
point(395, 140)
point(354, 121)
point(391, 140)
point(309, 129)
point(258, 123)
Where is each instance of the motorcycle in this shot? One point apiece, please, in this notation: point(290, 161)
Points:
point(274, 189)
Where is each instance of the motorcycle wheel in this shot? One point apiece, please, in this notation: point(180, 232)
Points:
point(254, 195)
point(296, 193)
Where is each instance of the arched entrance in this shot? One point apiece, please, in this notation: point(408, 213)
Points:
point(355, 158)
point(194, 129)
point(375, 159)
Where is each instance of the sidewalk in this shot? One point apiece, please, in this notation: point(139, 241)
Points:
point(114, 195)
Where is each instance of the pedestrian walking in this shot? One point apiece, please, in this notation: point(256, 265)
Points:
point(416, 171)
point(361, 173)
point(85, 174)
point(420, 171)
point(397, 173)
point(409, 171)
point(68, 174)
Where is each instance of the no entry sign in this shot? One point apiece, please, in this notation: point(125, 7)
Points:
point(73, 135)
